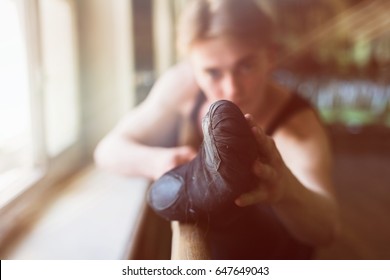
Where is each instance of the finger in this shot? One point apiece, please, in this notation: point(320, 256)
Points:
point(253, 197)
point(254, 127)
point(264, 142)
point(251, 120)
point(264, 171)
point(252, 123)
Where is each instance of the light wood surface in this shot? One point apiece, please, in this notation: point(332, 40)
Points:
point(189, 242)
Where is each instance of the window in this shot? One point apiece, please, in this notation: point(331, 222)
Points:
point(15, 125)
point(39, 113)
point(60, 85)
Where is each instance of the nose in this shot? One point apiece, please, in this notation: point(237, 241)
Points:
point(230, 88)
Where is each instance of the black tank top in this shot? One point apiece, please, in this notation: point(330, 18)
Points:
point(295, 105)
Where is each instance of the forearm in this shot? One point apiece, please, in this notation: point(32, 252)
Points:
point(123, 157)
point(130, 158)
point(310, 216)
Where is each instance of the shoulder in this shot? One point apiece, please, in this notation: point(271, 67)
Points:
point(304, 145)
point(162, 112)
point(296, 117)
point(304, 135)
point(302, 125)
point(176, 88)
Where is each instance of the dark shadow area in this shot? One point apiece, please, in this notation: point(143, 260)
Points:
point(362, 176)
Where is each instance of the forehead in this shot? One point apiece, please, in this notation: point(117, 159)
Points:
point(223, 51)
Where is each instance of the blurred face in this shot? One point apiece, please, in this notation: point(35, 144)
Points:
point(228, 68)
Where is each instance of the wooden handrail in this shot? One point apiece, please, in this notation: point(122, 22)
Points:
point(189, 242)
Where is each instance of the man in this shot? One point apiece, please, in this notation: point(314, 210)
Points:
point(229, 56)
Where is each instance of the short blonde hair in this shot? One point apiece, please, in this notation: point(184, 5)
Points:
point(243, 19)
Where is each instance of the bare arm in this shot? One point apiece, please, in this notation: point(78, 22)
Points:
point(296, 179)
point(142, 144)
point(310, 208)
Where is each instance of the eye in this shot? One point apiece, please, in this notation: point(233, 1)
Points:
point(247, 67)
point(214, 74)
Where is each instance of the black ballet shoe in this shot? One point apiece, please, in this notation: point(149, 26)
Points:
point(204, 189)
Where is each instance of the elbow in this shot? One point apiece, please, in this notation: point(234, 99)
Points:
point(332, 226)
point(100, 154)
point(329, 236)
point(335, 224)
point(97, 156)
point(331, 233)
point(336, 229)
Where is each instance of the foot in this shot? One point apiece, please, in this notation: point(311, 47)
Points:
point(205, 188)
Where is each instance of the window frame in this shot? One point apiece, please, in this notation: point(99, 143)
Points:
point(39, 184)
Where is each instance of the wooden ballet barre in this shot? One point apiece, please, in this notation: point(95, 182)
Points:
point(189, 242)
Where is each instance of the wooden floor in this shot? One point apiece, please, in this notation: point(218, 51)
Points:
point(362, 179)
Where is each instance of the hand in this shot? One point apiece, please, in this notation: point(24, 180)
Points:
point(270, 169)
point(182, 155)
point(173, 157)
